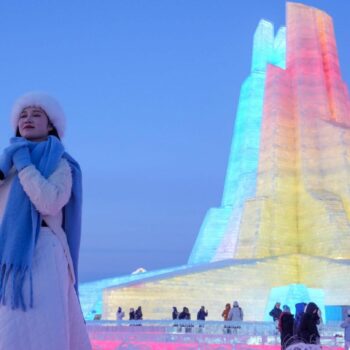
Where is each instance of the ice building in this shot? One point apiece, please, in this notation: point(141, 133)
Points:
point(282, 231)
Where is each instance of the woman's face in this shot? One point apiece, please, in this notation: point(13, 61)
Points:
point(34, 124)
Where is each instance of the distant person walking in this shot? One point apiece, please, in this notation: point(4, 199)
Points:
point(120, 314)
point(346, 325)
point(285, 326)
point(308, 331)
point(131, 314)
point(236, 313)
point(275, 313)
point(225, 314)
point(175, 314)
point(202, 314)
point(226, 311)
point(299, 311)
point(185, 314)
point(138, 313)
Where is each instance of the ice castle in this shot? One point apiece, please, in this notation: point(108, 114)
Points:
point(282, 231)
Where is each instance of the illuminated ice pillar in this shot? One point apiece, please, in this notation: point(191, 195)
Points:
point(322, 112)
point(217, 239)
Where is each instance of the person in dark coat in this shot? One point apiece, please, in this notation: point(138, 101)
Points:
point(131, 314)
point(299, 311)
point(185, 314)
point(175, 313)
point(275, 313)
point(202, 314)
point(138, 313)
point(308, 331)
point(285, 326)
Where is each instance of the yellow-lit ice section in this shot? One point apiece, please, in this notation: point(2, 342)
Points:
point(284, 218)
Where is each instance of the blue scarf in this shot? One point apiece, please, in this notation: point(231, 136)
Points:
point(19, 229)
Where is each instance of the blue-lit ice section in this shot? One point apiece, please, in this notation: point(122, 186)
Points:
point(215, 242)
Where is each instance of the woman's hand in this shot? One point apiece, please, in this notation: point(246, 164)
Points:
point(21, 158)
point(7, 155)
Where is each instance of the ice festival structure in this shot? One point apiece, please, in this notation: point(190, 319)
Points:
point(282, 231)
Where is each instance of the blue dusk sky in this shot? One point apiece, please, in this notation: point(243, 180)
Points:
point(150, 89)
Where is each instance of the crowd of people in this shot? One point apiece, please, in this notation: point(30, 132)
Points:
point(185, 314)
point(133, 314)
point(303, 326)
point(234, 313)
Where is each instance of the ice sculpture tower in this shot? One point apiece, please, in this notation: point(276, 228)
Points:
point(284, 217)
point(287, 184)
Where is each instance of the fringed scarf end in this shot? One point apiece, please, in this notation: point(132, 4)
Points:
point(18, 275)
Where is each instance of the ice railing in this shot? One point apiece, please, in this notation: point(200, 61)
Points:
point(201, 331)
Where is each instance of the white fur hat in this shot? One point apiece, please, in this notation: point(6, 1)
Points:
point(40, 99)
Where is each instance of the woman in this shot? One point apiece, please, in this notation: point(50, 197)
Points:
point(225, 314)
point(185, 314)
point(120, 314)
point(285, 326)
point(226, 311)
point(40, 220)
point(308, 331)
point(138, 313)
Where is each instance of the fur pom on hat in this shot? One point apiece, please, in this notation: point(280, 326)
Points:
point(46, 102)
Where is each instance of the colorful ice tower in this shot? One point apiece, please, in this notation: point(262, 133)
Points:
point(284, 216)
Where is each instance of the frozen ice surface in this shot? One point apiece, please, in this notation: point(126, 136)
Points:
point(156, 334)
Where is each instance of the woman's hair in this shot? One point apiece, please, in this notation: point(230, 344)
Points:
point(310, 308)
point(53, 132)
